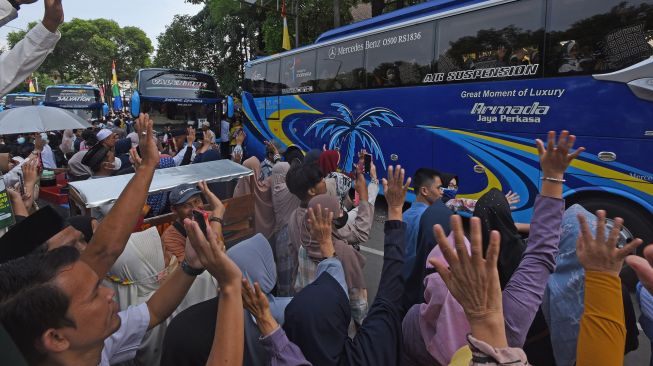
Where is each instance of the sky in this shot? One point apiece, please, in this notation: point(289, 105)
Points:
point(151, 16)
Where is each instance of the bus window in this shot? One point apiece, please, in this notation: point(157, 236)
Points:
point(298, 73)
point(254, 78)
point(399, 57)
point(591, 37)
point(502, 42)
point(340, 66)
point(272, 78)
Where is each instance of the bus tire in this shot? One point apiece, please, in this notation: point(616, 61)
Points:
point(636, 219)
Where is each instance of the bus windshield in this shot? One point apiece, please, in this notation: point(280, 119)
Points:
point(175, 96)
point(23, 100)
point(84, 101)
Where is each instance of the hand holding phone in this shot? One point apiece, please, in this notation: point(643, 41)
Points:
point(368, 163)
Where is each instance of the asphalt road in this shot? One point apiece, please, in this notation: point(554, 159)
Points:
point(373, 251)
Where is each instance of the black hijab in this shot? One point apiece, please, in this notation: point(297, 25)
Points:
point(317, 320)
point(312, 156)
point(446, 179)
point(494, 211)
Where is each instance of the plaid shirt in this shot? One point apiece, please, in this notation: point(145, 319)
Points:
point(266, 169)
point(306, 274)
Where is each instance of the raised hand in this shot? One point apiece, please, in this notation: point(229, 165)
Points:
point(360, 185)
point(320, 223)
point(149, 152)
point(395, 191)
point(643, 267)
point(271, 146)
point(555, 159)
point(601, 254)
point(255, 301)
point(217, 207)
point(213, 255)
point(30, 170)
point(53, 16)
point(240, 137)
point(190, 138)
point(135, 159)
point(513, 199)
point(472, 280)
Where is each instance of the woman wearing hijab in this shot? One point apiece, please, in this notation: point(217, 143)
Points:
point(284, 204)
point(318, 317)
point(67, 143)
point(352, 261)
point(336, 181)
point(494, 211)
point(263, 209)
point(190, 334)
point(565, 292)
point(438, 338)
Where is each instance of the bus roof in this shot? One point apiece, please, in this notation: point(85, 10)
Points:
point(25, 94)
point(399, 18)
point(73, 86)
point(174, 70)
point(394, 17)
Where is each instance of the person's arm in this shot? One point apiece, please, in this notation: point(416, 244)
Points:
point(7, 12)
point(113, 232)
point(168, 297)
point(174, 244)
point(217, 209)
point(523, 294)
point(229, 337)
point(359, 231)
point(602, 335)
point(28, 54)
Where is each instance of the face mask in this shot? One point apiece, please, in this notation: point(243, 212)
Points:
point(20, 140)
point(117, 163)
point(449, 193)
point(341, 221)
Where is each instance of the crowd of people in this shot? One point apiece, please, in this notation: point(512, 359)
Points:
point(92, 289)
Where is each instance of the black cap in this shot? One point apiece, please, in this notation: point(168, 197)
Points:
point(95, 156)
point(24, 237)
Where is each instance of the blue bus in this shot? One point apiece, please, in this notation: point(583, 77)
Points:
point(16, 100)
point(466, 86)
point(83, 100)
point(173, 96)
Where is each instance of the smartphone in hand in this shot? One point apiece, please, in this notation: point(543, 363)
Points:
point(368, 163)
point(202, 218)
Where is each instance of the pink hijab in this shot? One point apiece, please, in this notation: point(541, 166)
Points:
point(263, 209)
point(442, 323)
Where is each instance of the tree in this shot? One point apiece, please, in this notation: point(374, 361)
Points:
point(88, 47)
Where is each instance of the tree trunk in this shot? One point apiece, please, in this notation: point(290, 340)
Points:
point(377, 7)
point(336, 13)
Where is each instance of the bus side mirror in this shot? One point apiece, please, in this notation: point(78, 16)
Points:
point(230, 106)
point(135, 104)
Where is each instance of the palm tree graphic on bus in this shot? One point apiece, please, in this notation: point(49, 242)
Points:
point(346, 131)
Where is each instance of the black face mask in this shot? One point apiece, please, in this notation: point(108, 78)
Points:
point(341, 221)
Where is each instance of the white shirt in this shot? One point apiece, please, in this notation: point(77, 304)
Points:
point(47, 156)
point(7, 12)
point(27, 55)
point(180, 156)
point(122, 345)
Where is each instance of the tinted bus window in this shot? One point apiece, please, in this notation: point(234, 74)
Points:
point(176, 84)
point(502, 42)
point(340, 66)
point(399, 57)
point(298, 73)
point(588, 37)
point(71, 97)
point(255, 78)
point(272, 78)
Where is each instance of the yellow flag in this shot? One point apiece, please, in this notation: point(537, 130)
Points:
point(31, 86)
point(286, 34)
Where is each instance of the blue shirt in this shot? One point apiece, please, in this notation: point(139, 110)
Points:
point(411, 217)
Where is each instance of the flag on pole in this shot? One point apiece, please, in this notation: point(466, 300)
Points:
point(31, 86)
point(286, 34)
point(115, 88)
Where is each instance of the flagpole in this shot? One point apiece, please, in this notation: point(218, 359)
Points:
point(37, 83)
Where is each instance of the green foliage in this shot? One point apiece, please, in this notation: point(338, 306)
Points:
point(44, 80)
point(88, 47)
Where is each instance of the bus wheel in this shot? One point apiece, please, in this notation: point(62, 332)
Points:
point(637, 220)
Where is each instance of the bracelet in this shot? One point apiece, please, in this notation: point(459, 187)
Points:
point(216, 219)
point(190, 270)
point(554, 180)
point(374, 181)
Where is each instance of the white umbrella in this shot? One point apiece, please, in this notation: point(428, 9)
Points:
point(39, 119)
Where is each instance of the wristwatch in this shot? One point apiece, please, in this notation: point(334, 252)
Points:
point(190, 270)
point(15, 4)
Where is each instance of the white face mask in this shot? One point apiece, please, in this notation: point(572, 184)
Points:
point(117, 163)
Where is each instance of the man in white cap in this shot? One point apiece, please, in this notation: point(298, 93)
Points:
point(206, 127)
point(107, 138)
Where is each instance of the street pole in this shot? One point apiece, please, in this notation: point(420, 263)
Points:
point(296, 3)
point(36, 78)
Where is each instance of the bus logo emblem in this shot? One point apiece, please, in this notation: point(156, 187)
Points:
point(332, 53)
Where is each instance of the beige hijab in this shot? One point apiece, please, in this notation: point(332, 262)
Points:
point(284, 202)
point(352, 260)
point(264, 211)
